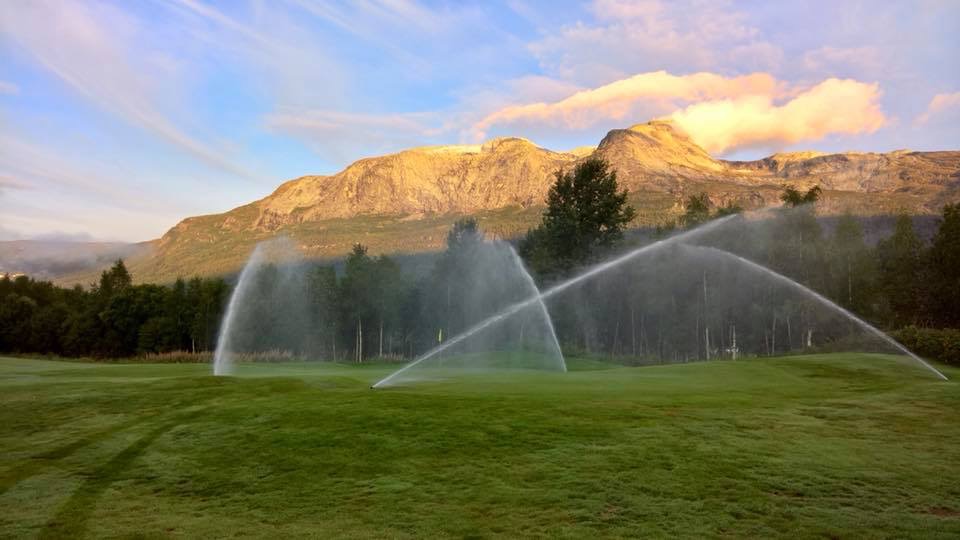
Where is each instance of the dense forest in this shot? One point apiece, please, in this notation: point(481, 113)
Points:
point(372, 308)
point(111, 319)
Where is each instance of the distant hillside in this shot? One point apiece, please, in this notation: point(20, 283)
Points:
point(53, 259)
point(406, 201)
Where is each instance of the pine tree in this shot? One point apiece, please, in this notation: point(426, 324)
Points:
point(944, 265)
point(900, 266)
point(585, 213)
point(793, 198)
point(697, 211)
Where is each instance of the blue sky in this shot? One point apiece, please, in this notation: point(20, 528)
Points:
point(117, 119)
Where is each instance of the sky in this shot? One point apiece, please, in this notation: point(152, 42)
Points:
point(118, 119)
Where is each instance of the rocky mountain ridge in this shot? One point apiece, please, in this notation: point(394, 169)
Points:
point(404, 201)
point(515, 172)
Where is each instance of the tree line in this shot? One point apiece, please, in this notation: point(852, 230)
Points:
point(372, 308)
point(112, 318)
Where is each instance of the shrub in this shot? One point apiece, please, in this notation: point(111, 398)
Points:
point(938, 344)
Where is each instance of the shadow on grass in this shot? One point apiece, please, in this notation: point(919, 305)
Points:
point(39, 462)
point(71, 519)
point(46, 459)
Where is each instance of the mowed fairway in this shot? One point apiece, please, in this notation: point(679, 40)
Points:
point(838, 445)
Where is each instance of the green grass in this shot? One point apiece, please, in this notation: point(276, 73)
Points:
point(833, 445)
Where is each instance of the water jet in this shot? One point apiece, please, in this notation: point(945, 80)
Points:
point(517, 307)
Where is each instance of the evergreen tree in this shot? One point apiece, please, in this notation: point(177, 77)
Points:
point(388, 290)
point(16, 313)
point(114, 280)
point(899, 258)
point(463, 236)
point(208, 298)
point(697, 211)
point(177, 317)
point(113, 319)
point(369, 294)
point(585, 213)
point(793, 198)
point(323, 290)
point(452, 276)
point(944, 266)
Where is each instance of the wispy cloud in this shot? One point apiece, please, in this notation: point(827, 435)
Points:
point(9, 88)
point(627, 37)
point(632, 99)
point(219, 18)
point(339, 135)
point(370, 28)
point(939, 106)
point(29, 166)
point(41, 190)
point(863, 61)
point(61, 236)
point(9, 182)
point(177, 99)
point(272, 48)
point(345, 136)
point(360, 18)
point(93, 49)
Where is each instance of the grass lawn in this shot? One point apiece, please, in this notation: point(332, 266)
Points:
point(835, 445)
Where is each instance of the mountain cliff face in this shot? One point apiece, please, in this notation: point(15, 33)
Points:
point(406, 201)
point(502, 172)
point(647, 157)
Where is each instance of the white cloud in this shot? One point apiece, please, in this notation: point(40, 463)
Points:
point(722, 114)
point(834, 106)
point(629, 100)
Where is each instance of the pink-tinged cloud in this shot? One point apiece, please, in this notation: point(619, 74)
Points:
point(835, 106)
point(9, 182)
point(940, 104)
point(722, 114)
point(658, 92)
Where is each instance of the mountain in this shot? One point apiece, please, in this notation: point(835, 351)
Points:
point(655, 156)
point(406, 201)
point(429, 180)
